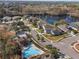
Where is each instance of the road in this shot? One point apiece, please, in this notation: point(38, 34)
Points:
point(64, 45)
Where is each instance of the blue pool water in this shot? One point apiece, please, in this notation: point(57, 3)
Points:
point(30, 52)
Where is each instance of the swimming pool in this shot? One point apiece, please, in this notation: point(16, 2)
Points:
point(32, 50)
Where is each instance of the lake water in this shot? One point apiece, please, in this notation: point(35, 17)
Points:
point(53, 19)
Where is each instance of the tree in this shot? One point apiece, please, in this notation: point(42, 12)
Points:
point(4, 38)
point(54, 51)
point(25, 28)
point(38, 37)
point(20, 23)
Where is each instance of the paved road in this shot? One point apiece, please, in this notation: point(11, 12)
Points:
point(64, 45)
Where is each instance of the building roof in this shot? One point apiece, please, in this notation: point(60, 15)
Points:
point(53, 30)
point(49, 27)
point(21, 34)
point(56, 32)
point(41, 23)
point(74, 24)
point(16, 17)
point(6, 18)
point(63, 28)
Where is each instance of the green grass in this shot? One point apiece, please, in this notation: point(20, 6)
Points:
point(55, 38)
point(33, 26)
point(40, 30)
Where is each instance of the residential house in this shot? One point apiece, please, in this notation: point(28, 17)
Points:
point(52, 30)
point(16, 18)
point(32, 19)
point(56, 32)
point(23, 38)
point(6, 19)
point(48, 29)
point(21, 34)
point(70, 19)
point(41, 24)
point(74, 26)
point(63, 28)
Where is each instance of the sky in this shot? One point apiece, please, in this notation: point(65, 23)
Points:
point(39, 0)
point(52, 0)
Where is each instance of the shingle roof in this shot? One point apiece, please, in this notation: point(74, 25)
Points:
point(63, 28)
point(6, 18)
point(49, 27)
point(75, 24)
point(16, 17)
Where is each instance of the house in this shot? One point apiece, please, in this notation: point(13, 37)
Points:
point(41, 24)
point(48, 29)
point(56, 32)
point(70, 19)
point(32, 19)
point(23, 38)
point(74, 26)
point(52, 30)
point(63, 28)
point(6, 19)
point(21, 34)
point(16, 18)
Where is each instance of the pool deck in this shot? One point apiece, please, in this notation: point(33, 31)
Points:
point(36, 48)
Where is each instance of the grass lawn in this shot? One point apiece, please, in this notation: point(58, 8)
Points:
point(40, 30)
point(54, 38)
point(33, 26)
